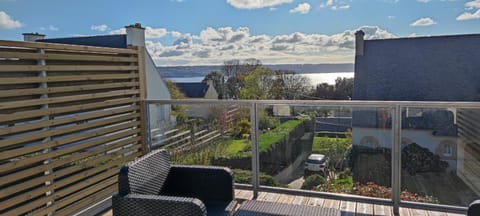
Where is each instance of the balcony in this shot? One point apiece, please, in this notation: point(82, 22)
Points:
point(64, 134)
point(413, 157)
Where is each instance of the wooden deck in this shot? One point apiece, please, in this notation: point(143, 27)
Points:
point(347, 208)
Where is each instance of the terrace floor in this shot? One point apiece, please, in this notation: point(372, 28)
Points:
point(348, 208)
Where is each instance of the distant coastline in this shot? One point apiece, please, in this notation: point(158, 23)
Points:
point(201, 71)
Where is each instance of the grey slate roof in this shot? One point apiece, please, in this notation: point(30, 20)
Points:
point(193, 90)
point(440, 68)
point(113, 41)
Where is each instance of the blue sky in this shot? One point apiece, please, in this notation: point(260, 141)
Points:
point(199, 32)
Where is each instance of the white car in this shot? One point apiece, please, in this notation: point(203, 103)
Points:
point(316, 163)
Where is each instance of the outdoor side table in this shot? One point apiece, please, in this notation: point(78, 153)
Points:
point(262, 208)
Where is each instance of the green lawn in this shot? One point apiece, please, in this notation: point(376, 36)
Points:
point(235, 147)
point(271, 137)
point(324, 145)
point(240, 148)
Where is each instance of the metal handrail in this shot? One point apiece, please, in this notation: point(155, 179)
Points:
point(396, 108)
point(327, 103)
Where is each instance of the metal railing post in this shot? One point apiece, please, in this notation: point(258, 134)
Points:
point(255, 152)
point(146, 110)
point(396, 157)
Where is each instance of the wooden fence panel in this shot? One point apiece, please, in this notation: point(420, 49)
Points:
point(69, 117)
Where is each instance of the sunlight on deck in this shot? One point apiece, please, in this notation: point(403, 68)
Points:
point(348, 208)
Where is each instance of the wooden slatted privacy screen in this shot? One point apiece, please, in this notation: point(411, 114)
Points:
point(69, 117)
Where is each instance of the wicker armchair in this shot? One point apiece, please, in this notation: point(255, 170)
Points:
point(150, 185)
point(474, 208)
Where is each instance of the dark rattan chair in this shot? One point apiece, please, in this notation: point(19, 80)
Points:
point(150, 185)
point(474, 208)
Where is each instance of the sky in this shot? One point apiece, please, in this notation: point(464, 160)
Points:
point(209, 32)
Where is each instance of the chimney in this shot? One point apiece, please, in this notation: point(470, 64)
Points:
point(359, 43)
point(135, 35)
point(32, 37)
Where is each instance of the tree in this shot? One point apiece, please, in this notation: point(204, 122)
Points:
point(257, 84)
point(234, 72)
point(342, 90)
point(290, 86)
point(324, 91)
point(218, 82)
point(179, 111)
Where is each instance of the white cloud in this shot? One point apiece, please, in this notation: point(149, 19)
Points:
point(119, 31)
point(341, 7)
point(100, 28)
point(424, 1)
point(175, 34)
point(302, 8)
point(469, 16)
point(391, 17)
point(49, 27)
point(150, 33)
point(425, 21)
point(472, 4)
point(155, 32)
point(7, 22)
point(256, 4)
point(327, 3)
point(215, 45)
point(335, 5)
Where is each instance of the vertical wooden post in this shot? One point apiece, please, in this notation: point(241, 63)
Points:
point(49, 172)
point(142, 79)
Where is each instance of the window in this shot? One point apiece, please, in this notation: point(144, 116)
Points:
point(447, 150)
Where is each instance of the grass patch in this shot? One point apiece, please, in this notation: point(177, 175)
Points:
point(324, 145)
point(235, 147)
point(271, 137)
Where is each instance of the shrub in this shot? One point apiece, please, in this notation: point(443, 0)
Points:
point(242, 128)
point(245, 177)
point(313, 182)
point(267, 122)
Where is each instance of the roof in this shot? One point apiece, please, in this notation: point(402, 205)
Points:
point(112, 41)
point(193, 90)
point(443, 68)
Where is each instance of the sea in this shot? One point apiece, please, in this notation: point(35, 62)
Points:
point(317, 73)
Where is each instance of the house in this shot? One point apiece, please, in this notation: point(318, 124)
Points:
point(135, 36)
point(201, 90)
point(438, 68)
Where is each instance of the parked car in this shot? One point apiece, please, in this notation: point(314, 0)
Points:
point(316, 163)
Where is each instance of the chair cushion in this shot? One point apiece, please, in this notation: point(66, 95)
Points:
point(216, 208)
point(145, 175)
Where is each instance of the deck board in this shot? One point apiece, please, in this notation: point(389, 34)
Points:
point(418, 212)
point(364, 209)
point(347, 208)
point(382, 210)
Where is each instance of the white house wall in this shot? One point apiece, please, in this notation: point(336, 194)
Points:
point(156, 90)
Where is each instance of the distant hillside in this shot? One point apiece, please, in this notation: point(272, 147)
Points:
point(198, 71)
